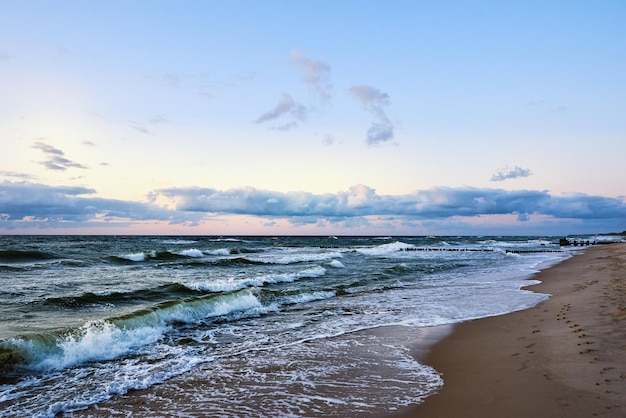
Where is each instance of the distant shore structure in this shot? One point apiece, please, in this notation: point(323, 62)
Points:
point(564, 242)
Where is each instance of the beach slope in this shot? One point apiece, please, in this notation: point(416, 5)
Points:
point(565, 357)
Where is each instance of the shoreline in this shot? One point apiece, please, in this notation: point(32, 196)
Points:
point(565, 356)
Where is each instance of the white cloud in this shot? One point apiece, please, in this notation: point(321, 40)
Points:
point(374, 100)
point(316, 74)
point(506, 173)
point(369, 96)
point(286, 108)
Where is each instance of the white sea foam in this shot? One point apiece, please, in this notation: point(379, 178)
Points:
point(385, 249)
point(178, 241)
point(336, 264)
point(193, 311)
point(192, 252)
point(288, 257)
point(308, 297)
point(109, 339)
point(232, 284)
point(134, 257)
point(220, 251)
point(96, 340)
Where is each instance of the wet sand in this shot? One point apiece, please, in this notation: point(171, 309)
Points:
point(566, 357)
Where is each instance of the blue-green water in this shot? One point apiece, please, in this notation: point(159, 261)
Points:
point(87, 318)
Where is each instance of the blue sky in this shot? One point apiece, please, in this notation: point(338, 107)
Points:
point(312, 117)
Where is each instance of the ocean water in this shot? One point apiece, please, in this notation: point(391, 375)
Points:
point(242, 326)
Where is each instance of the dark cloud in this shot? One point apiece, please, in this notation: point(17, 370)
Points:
point(54, 205)
point(510, 173)
point(288, 109)
point(440, 207)
point(316, 74)
point(360, 200)
point(374, 100)
point(55, 158)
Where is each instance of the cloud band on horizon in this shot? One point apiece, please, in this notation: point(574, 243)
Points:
point(23, 203)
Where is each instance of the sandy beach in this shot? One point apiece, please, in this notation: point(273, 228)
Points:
point(566, 357)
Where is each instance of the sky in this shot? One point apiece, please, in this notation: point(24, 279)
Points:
point(312, 117)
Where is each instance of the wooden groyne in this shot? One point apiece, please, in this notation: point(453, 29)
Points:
point(480, 250)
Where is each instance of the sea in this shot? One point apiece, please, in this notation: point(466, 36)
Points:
point(255, 326)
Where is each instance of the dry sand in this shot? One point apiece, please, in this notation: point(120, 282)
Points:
point(566, 357)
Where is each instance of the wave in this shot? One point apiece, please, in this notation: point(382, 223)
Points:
point(227, 240)
point(178, 241)
point(232, 256)
point(308, 297)
point(111, 338)
point(243, 250)
point(385, 249)
point(295, 257)
point(228, 285)
point(220, 251)
point(132, 257)
point(166, 291)
point(160, 255)
point(336, 264)
point(172, 255)
point(24, 255)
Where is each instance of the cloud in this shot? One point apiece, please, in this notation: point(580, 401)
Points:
point(157, 119)
point(506, 173)
point(171, 81)
point(379, 132)
point(463, 210)
point(13, 174)
point(374, 100)
point(5, 56)
point(361, 200)
point(316, 74)
point(152, 120)
point(369, 96)
point(55, 205)
point(55, 158)
point(139, 127)
point(535, 103)
point(286, 108)
point(328, 139)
